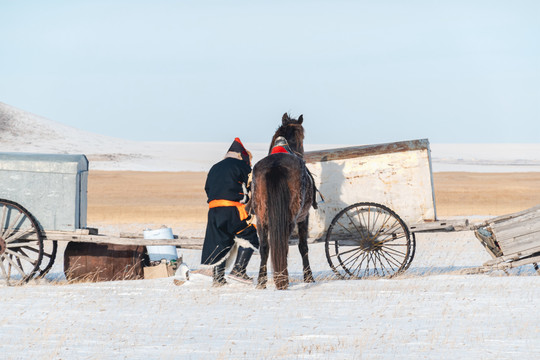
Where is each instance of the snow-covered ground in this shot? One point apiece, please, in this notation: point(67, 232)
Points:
point(430, 312)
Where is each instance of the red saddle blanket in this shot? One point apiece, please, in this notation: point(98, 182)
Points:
point(280, 149)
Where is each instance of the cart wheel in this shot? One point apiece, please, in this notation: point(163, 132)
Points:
point(412, 251)
point(368, 239)
point(21, 243)
point(49, 254)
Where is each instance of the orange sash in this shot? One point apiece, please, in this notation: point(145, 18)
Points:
point(221, 203)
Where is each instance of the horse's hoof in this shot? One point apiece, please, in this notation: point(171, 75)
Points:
point(261, 286)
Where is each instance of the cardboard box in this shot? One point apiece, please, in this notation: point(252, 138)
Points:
point(159, 271)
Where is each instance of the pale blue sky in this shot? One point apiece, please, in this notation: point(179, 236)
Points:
point(360, 71)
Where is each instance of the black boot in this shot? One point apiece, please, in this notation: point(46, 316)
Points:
point(219, 275)
point(238, 272)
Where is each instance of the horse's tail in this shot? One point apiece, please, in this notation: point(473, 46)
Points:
point(279, 223)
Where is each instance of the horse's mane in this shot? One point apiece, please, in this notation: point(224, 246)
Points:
point(293, 131)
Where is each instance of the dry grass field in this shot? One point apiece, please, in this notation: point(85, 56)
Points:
point(125, 197)
point(120, 197)
point(463, 194)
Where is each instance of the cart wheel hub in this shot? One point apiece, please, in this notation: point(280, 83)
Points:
point(369, 244)
point(2, 246)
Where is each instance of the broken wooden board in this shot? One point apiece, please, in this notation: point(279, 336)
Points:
point(514, 235)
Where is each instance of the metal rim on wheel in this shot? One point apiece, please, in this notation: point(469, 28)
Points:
point(50, 248)
point(412, 251)
point(368, 239)
point(21, 243)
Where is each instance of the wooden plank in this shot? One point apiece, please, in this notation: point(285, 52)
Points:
point(509, 217)
point(131, 235)
point(185, 242)
point(441, 225)
point(514, 257)
point(518, 235)
point(514, 264)
point(509, 230)
point(135, 239)
point(529, 217)
point(497, 264)
point(519, 232)
point(520, 243)
point(367, 150)
point(513, 234)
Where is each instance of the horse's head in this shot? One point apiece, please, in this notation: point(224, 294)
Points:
point(293, 131)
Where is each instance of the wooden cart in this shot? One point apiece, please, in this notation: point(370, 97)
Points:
point(365, 188)
point(512, 240)
point(43, 201)
point(27, 251)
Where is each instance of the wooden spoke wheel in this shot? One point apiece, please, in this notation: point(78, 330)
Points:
point(21, 243)
point(368, 239)
point(49, 254)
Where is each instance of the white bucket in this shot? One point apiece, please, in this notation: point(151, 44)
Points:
point(159, 252)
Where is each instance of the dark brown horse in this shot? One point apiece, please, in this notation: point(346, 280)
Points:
point(283, 191)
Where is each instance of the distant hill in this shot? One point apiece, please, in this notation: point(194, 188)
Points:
point(21, 131)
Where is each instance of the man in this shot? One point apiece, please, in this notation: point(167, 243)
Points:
point(227, 190)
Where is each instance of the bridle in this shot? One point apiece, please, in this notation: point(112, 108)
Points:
point(297, 153)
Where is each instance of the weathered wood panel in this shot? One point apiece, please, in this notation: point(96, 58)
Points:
point(518, 229)
point(442, 225)
point(519, 243)
point(513, 257)
point(397, 175)
point(365, 150)
point(517, 233)
point(103, 262)
point(517, 215)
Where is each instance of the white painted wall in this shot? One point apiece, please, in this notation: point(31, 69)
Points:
point(400, 180)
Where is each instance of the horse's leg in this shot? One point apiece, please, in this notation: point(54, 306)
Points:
point(303, 247)
point(263, 250)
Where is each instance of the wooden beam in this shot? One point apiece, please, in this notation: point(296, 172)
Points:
point(184, 242)
point(441, 225)
point(366, 150)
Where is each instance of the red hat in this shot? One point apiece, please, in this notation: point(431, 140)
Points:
point(238, 147)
